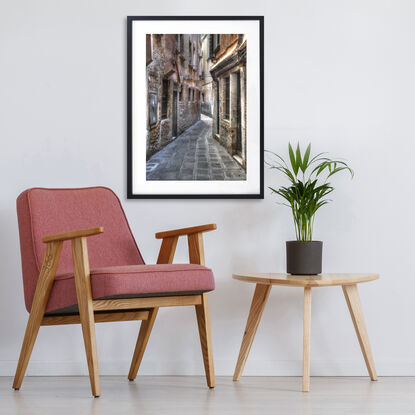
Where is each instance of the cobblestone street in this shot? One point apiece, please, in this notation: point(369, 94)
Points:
point(194, 155)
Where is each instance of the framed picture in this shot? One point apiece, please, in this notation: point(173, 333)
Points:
point(195, 107)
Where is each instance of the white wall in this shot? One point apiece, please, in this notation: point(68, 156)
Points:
point(338, 73)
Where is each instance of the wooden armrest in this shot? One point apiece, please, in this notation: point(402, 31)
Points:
point(186, 231)
point(73, 234)
point(194, 239)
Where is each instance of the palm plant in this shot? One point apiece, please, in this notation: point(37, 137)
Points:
point(308, 187)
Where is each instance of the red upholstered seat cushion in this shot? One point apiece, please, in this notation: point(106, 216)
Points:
point(134, 281)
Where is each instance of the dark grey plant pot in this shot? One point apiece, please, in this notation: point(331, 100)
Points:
point(304, 258)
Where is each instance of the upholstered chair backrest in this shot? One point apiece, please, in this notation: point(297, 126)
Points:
point(44, 212)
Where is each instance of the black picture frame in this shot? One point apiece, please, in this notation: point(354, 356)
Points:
point(130, 193)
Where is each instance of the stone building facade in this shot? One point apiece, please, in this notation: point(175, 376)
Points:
point(227, 56)
point(173, 70)
point(206, 78)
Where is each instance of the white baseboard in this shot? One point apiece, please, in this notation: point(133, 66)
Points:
point(222, 368)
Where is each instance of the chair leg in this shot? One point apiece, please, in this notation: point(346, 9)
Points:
point(32, 330)
point(88, 331)
point(86, 310)
point(142, 340)
point(40, 300)
point(203, 322)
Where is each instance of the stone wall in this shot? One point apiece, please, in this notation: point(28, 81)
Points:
point(155, 74)
point(206, 80)
point(182, 71)
point(226, 41)
point(189, 111)
point(230, 66)
point(226, 133)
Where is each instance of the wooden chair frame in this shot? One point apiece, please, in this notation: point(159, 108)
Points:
point(126, 309)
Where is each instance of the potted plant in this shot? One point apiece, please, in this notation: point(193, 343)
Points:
point(306, 193)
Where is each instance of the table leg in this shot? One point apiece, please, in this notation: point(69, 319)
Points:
point(351, 294)
point(255, 313)
point(306, 339)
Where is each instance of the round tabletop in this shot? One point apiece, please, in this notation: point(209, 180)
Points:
point(319, 280)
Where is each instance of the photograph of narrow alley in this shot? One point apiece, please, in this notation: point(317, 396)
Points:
point(196, 106)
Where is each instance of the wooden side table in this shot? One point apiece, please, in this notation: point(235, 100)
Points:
point(264, 282)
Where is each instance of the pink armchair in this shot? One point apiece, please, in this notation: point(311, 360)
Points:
point(105, 279)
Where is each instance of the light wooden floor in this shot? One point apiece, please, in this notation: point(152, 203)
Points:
point(189, 395)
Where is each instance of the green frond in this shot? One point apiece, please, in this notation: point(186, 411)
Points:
point(307, 195)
